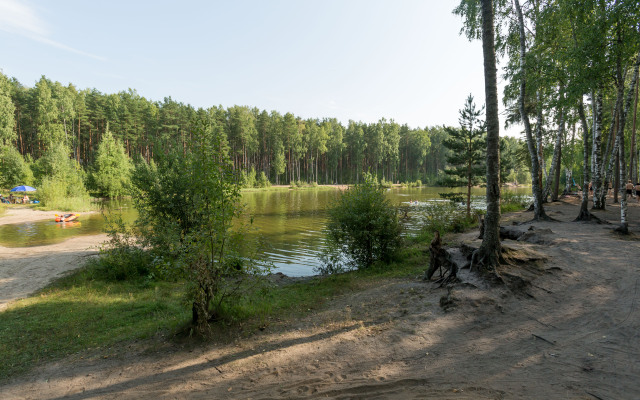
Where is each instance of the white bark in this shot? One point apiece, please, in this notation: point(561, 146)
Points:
point(597, 153)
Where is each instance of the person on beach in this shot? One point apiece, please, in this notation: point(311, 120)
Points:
point(25, 199)
point(11, 200)
point(629, 188)
point(638, 191)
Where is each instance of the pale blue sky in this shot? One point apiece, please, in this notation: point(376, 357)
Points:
point(349, 59)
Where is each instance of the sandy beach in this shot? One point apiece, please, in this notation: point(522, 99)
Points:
point(572, 331)
point(24, 270)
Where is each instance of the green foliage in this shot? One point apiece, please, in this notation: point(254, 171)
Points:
point(443, 217)
point(248, 179)
point(13, 169)
point(510, 202)
point(453, 197)
point(187, 205)
point(287, 148)
point(263, 181)
point(111, 174)
point(7, 111)
point(60, 181)
point(56, 193)
point(385, 184)
point(467, 145)
point(363, 228)
point(122, 257)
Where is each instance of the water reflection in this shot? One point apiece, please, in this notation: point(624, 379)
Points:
point(291, 221)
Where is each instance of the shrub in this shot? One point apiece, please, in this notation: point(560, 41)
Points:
point(363, 228)
point(248, 179)
point(123, 257)
point(111, 172)
point(188, 206)
point(61, 181)
point(443, 217)
point(13, 169)
point(263, 181)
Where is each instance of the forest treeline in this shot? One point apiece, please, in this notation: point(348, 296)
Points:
point(286, 148)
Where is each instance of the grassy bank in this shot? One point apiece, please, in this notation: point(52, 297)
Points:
point(86, 313)
point(78, 314)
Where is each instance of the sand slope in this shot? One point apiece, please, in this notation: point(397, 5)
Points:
point(574, 333)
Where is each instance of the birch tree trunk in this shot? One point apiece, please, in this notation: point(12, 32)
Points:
point(555, 160)
point(624, 227)
point(632, 157)
point(584, 214)
point(612, 151)
point(597, 154)
point(542, 169)
point(488, 255)
point(556, 182)
point(539, 213)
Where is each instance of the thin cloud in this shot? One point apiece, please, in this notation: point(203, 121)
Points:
point(20, 19)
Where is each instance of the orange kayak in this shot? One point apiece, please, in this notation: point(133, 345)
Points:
point(66, 217)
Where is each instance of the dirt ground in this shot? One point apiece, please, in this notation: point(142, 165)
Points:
point(571, 332)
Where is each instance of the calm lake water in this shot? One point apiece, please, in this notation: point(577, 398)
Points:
point(291, 221)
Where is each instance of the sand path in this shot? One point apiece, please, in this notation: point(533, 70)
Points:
point(574, 333)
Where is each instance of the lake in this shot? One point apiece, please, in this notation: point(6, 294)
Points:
point(291, 221)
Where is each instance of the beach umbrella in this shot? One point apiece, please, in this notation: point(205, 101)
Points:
point(23, 188)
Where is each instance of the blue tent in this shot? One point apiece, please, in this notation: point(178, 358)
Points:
point(23, 188)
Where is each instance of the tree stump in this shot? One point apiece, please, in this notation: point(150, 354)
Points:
point(439, 258)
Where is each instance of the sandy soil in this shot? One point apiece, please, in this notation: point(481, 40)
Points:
point(24, 270)
point(571, 333)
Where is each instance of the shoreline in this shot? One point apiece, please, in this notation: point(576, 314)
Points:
point(20, 214)
point(566, 331)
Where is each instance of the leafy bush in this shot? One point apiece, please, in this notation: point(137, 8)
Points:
point(111, 172)
point(452, 197)
point(60, 181)
point(13, 168)
point(123, 257)
point(263, 181)
point(443, 217)
point(363, 228)
point(55, 193)
point(248, 179)
point(513, 202)
point(188, 205)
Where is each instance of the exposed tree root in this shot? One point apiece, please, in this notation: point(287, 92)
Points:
point(586, 216)
point(622, 229)
point(513, 268)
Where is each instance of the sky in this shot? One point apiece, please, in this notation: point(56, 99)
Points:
point(358, 60)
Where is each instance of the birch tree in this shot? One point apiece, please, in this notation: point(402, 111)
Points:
point(488, 256)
